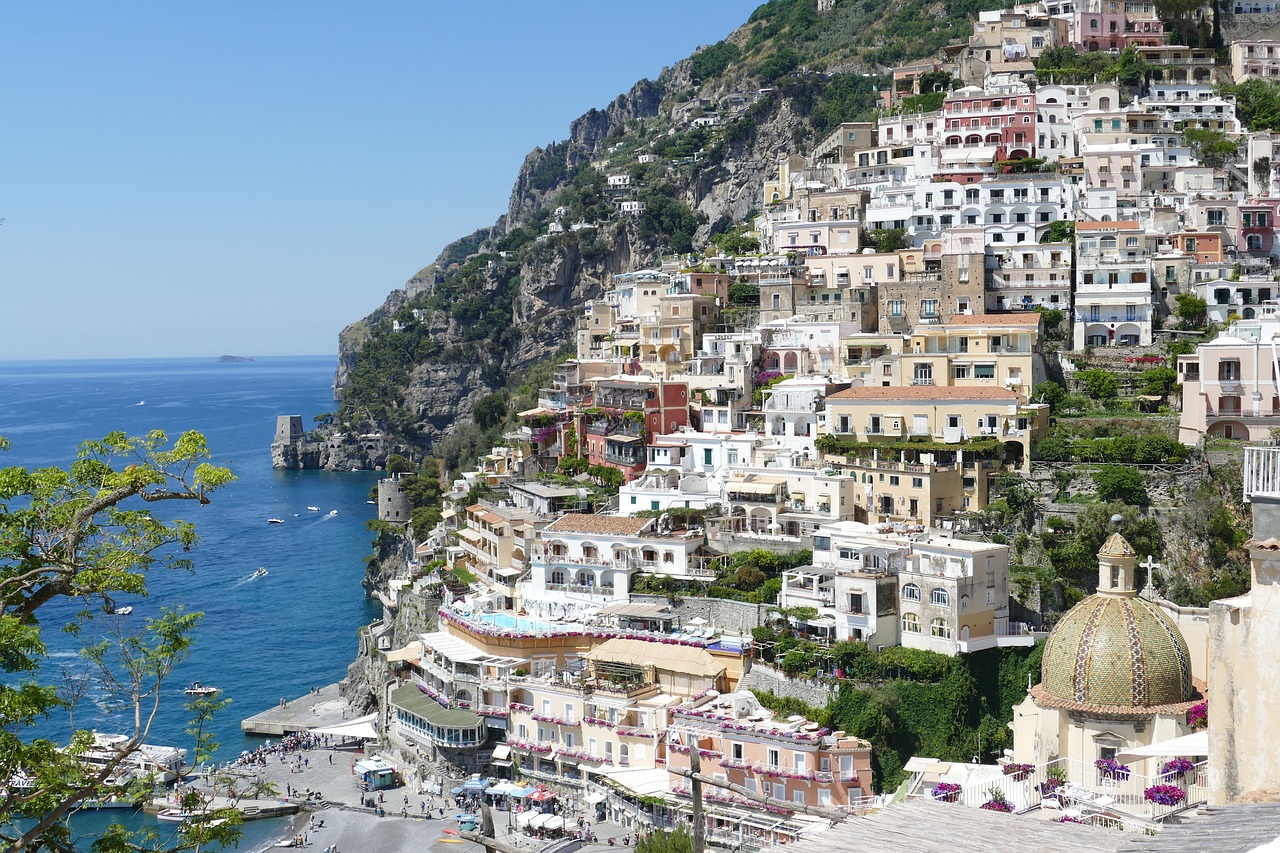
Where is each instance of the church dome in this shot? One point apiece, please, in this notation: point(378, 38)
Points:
point(1117, 650)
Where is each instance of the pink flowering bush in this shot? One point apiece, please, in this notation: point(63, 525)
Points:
point(947, 792)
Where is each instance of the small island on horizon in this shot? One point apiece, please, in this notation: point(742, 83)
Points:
point(232, 359)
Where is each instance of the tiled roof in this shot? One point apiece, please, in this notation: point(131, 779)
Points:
point(1118, 225)
point(1019, 318)
point(606, 525)
point(925, 392)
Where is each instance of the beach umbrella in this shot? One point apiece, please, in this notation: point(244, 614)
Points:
point(456, 790)
point(542, 795)
point(473, 785)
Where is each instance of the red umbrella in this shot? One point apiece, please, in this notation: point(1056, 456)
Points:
point(542, 795)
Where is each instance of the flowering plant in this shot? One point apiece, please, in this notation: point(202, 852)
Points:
point(1178, 768)
point(1164, 795)
point(997, 803)
point(1049, 787)
point(517, 706)
point(1018, 771)
point(947, 792)
point(1069, 819)
point(1198, 715)
point(1112, 769)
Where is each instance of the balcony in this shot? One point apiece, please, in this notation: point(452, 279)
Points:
point(623, 459)
point(616, 426)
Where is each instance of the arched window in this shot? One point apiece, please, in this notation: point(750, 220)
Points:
point(964, 603)
point(557, 576)
point(940, 628)
point(589, 551)
point(586, 578)
point(911, 592)
point(940, 597)
point(910, 623)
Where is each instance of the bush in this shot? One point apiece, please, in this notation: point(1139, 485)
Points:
point(1121, 483)
point(712, 61)
point(1098, 383)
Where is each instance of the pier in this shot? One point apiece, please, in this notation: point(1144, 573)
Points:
point(323, 707)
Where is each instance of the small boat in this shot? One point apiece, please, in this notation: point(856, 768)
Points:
point(178, 815)
point(122, 611)
point(275, 521)
point(195, 688)
point(333, 512)
point(260, 573)
point(313, 509)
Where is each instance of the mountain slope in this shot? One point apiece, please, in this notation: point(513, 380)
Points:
point(502, 298)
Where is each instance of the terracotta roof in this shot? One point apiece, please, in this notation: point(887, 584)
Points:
point(608, 525)
point(1020, 318)
point(925, 392)
point(1118, 225)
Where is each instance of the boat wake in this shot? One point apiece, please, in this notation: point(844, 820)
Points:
point(251, 577)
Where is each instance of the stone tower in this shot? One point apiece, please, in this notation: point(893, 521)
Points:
point(393, 503)
point(289, 429)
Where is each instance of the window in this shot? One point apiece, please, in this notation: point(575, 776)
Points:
point(984, 371)
point(939, 628)
point(960, 371)
point(911, 592)
point(940, 597)
point(923, 374)
point(964, 603)
point(910, 623)
point(929, 308)
point(735, 751)
point(895, 307)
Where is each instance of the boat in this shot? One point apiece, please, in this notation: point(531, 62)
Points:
point(313, 509)
point(122, 611)
point(333, 512)
point(260, 573)
point(178, 815)
point(275, 521)
point(195, 688)
point(163, 763)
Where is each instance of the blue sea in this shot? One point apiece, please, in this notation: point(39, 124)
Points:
point(262, 638)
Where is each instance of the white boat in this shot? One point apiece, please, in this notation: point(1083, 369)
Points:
point(313, 508)
point(122, 611)
point(195, 688)
point(275, 521)
point(177, 815)
point(333, 512)
point(260, 573)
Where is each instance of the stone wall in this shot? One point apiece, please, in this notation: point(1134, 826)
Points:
point(731, 617)
point(810, 691)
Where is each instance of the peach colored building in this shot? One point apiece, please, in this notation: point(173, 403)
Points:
point(788, 759)
point(1229, 386)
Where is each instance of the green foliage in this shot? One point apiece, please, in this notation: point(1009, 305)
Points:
point(669, 220)
point(666, 841)
point(781, 63)
point(1120, 483)
point(1065, 64)
point(841, 98)
point(982, 447)
point(1049, 392)
point(490, 411)
point(712, 61)
point(1211, 147)
point(1158, 381)
point(1120, 440)
point(888, 239)
point(738, 241)
point(1098, 383)
point(1191, 310)
point(1257, 103)
point(551, 168)
point(744, 293)
point(1060, 231)
point(1073, 555)
point(71, 540)
point(929, 102)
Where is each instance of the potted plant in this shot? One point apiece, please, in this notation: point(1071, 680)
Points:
point(1198, 715)
point(1165, 795)
point(1055, 778)
point(1018, 771)
point(1112, 769)
point(997, 802)
point(1178, 768)
point(947, 792)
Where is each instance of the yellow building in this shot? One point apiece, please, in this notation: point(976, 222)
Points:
point(977, 351)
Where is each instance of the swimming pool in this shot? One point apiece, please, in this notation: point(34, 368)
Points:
point(513, 623)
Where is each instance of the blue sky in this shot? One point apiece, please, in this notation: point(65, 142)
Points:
point(243, 178)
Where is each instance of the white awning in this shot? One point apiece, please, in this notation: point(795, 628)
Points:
point(362, 729)
point(502, 750)
point(1189, 746)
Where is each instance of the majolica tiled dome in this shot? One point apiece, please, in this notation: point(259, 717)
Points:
point(1117, 650)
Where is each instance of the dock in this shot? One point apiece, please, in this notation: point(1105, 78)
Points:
point(323, 707)
point(249, 809)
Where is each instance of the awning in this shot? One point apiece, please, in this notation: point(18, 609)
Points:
point(361, 729)
point(502, 750)
point(751, 488)
point(1189, 746)
point(539, 410)
point(506, 573)
point(468, 534)
point(642, 782)
point(413, 652)
point(593, 797)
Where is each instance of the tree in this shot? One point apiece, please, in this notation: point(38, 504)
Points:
point(744, 293)
point(1211, 147)
point(490, 411)
point(1098, 383)
point(79, 535)
point(666, 841)
point(738, 241)
point(888, 239)
point(1158, 381)
point(1121, 483)
point(1191, 310)
point(780, 64)
point(1060, 231)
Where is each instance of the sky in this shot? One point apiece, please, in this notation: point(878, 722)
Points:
point(236, 178)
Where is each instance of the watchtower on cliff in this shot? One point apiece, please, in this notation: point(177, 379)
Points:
point(289, 429)
point(393, 503)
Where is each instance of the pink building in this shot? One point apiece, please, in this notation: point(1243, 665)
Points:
point(792, 759)
point(1229, 386)
point(1116, 24)
point(981, 124)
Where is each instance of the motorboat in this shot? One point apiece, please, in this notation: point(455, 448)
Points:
point(195, 688)
point(163, 764)
point(313, 509)
point(178, 815)
point(275, 521)
point(333, 512)
point(122, 611)
point(260, 573)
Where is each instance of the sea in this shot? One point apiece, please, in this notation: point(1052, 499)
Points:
point(262, 638)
